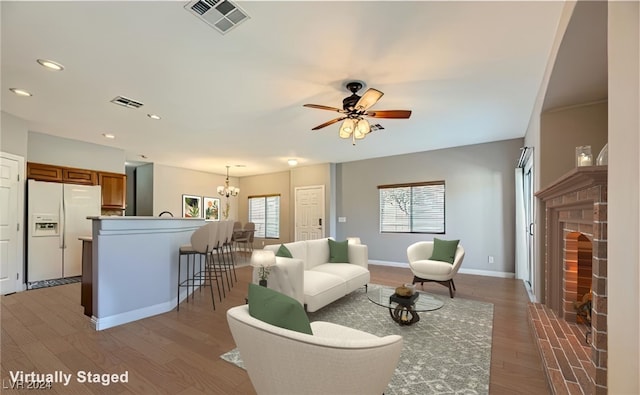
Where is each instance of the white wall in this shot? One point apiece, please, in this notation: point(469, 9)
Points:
point(624, 202)
point(170, 183)
point(532, 139)
point(480, 201)
point(52, 150)
point(13, 135)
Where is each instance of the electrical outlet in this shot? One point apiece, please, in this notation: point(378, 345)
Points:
point(342, 219)
point(490, 258)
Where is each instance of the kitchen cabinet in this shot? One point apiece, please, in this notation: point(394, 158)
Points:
point(114, 190)
point(79, 176)
point(67, 175)
point(42, 172)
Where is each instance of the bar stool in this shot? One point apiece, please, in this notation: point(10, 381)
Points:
point(198, 248)
point(228, 243)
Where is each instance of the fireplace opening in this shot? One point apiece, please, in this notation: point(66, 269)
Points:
point(578, 279)
point(578, 273)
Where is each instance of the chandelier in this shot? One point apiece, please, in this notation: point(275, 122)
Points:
point(227, 190)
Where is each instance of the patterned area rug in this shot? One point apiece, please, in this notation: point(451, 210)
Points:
point(53, 283)
point(447, 352)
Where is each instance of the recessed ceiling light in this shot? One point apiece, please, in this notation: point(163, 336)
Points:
point(153, 116)
point(20, 92)
point(292, 162)
point(109, 135)
point(50, 64)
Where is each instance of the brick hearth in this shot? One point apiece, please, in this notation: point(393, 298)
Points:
point(575, 210)
point(565, 354)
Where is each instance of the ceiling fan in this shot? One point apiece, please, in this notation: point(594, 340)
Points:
point(355, 108)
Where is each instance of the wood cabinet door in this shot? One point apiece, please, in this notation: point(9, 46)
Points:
point(42, 172)
point(114, 190)
point(79, 176)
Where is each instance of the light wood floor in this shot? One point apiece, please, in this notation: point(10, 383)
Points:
point(45, 331)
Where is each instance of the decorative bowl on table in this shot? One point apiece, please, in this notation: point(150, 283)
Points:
point(406, 290)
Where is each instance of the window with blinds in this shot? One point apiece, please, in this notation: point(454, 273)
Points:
point(412, 208)
point(264, 212)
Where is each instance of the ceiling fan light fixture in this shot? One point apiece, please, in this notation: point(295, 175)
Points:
point(363, 127)
point(347, 127)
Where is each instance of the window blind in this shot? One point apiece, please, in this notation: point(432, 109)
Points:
point(264, 212)
point(412, 208)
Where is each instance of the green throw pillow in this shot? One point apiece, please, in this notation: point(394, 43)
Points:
point(338, 251)
point(284, 252)
point(444, 250)
point(277, 309)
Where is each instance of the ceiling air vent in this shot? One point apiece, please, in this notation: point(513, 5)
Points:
point(223, 15)
point(126, 102)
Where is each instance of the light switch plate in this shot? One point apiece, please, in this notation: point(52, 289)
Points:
point(342, 219)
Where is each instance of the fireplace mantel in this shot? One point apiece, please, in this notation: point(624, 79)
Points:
point(577, 179)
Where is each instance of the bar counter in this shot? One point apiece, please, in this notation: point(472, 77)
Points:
point(134, 268)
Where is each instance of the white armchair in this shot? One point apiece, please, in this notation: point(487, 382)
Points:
point(334, 360)
point(425, 270)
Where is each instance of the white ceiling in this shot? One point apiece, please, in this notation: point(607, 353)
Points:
point(469, 71)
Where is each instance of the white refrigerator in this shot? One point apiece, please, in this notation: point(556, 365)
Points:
point(57, 216)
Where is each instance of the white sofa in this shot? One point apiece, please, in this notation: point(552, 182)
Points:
point(334, 360)
point(309, 277)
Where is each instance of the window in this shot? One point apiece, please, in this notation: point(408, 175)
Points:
point(412, 208)
point(264, 211)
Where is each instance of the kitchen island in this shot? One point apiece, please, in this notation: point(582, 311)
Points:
point(135, 266)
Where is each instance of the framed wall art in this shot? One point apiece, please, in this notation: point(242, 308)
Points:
point(211, 209)
point(191, 206)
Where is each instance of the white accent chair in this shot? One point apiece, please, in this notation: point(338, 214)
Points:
point(334, 360)
point(425, 270)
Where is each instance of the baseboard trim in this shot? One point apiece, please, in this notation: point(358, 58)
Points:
point(388, 263)
point(477, 272)
point(489, 273)
point(130, 316)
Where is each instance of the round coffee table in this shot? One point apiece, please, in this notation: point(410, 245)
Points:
point(404, 311)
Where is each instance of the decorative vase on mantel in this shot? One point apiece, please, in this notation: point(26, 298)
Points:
point(603, 156)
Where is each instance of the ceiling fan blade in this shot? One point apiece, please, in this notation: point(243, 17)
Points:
point(370, 97)
point(331, 122)
point(321, 107)
point(389, 113)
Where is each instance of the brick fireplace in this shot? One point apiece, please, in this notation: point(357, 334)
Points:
point(575, 209)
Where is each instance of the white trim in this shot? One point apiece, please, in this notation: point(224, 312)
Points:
point(477, 272)
point(130, 316)
point(134, 315)
point(490, 273)
point(20, 284)
point(388, 263)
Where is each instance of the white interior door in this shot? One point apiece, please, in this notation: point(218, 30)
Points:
point(309, 212)
point(10, 258)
